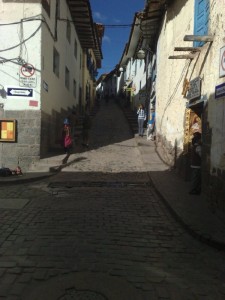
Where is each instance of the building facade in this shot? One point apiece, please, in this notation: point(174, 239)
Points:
point(47, 70)
point(190, 64)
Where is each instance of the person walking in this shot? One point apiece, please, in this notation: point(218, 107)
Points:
point(196, 153)
point(66, 136)
point(141, 119)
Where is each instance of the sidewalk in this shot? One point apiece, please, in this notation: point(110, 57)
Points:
point(192, 211)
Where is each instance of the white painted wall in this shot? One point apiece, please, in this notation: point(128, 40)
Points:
point(19, 40)
point(58, 96)
point(170, 104)
point(139, 81)
point(211, 79)
point(33, 42)
point(171, 73)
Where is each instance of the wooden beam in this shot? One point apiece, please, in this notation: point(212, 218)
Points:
point(191, 49)
point(198, 38)
point(188, 56)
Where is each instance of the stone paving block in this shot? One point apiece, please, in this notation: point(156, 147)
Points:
point(17, 289)
point(13, 297)
point(7, 264)
point(15, 270)
point(162, 291)
point(2, 271)
point(8, 278)
point(40, 274)
point(4, 289)
point(13, 203)
point(25, 277)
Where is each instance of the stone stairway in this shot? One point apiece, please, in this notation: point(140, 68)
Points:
point(132, 119)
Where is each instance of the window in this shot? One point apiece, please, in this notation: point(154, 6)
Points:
point(67, 78)
point(57, 9)
point(46, 5)
point(75, 48)
point(74, 88)
point(68, 31)
point(201, 19)
point(56, 62)
point(80, 61)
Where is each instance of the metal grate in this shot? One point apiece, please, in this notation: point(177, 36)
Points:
point(114, 184)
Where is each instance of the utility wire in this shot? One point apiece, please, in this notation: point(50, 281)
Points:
point(13, 47)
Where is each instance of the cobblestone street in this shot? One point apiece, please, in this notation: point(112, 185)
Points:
point(98, 230)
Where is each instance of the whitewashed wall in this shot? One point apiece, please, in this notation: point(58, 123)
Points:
point(139, 82)
point(21, 40)
point(211, 79)
point(170, 106)
point(171, 73)
point(58, 96)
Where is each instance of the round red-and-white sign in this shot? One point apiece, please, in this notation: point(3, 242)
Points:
point(222, 62)
point(27, 70)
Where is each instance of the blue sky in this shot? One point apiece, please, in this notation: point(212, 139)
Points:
point(114, 12)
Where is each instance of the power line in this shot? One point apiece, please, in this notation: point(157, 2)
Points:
point(105, 25)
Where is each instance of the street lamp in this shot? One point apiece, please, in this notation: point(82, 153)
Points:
point(141, 54)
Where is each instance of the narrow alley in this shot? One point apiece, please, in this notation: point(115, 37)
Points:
point(98, 230)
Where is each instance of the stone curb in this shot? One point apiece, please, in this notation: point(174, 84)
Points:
point(191, 230)
point(29, 177)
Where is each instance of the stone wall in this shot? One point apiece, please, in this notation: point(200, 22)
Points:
point(26, 149)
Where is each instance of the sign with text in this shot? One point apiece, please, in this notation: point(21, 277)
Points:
point(194, 90)
point(27, 76)
point(220, 91)
point(19, 92)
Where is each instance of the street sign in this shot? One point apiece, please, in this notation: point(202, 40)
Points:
point(27, 70)
point(194, 89)
point(27, 76)
point(222, 62)
point(19, 92)
point(220, 91)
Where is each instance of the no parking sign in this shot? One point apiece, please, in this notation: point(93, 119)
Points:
point(27, 76)
point(222, 62)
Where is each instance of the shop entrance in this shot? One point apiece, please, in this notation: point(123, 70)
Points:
point(193, 123)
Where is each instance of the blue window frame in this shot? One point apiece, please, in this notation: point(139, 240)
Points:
point(201, 19)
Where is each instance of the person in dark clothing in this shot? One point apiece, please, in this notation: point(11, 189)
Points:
point(86, 129)
point(196, 153)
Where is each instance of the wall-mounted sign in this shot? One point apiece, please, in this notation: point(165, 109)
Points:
point(19, 92)
point(7, 130)
point(222, 62)
point(194, 90)
point(220, 91)
point(27, 77)
point(27, 70)
point(45, 86)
